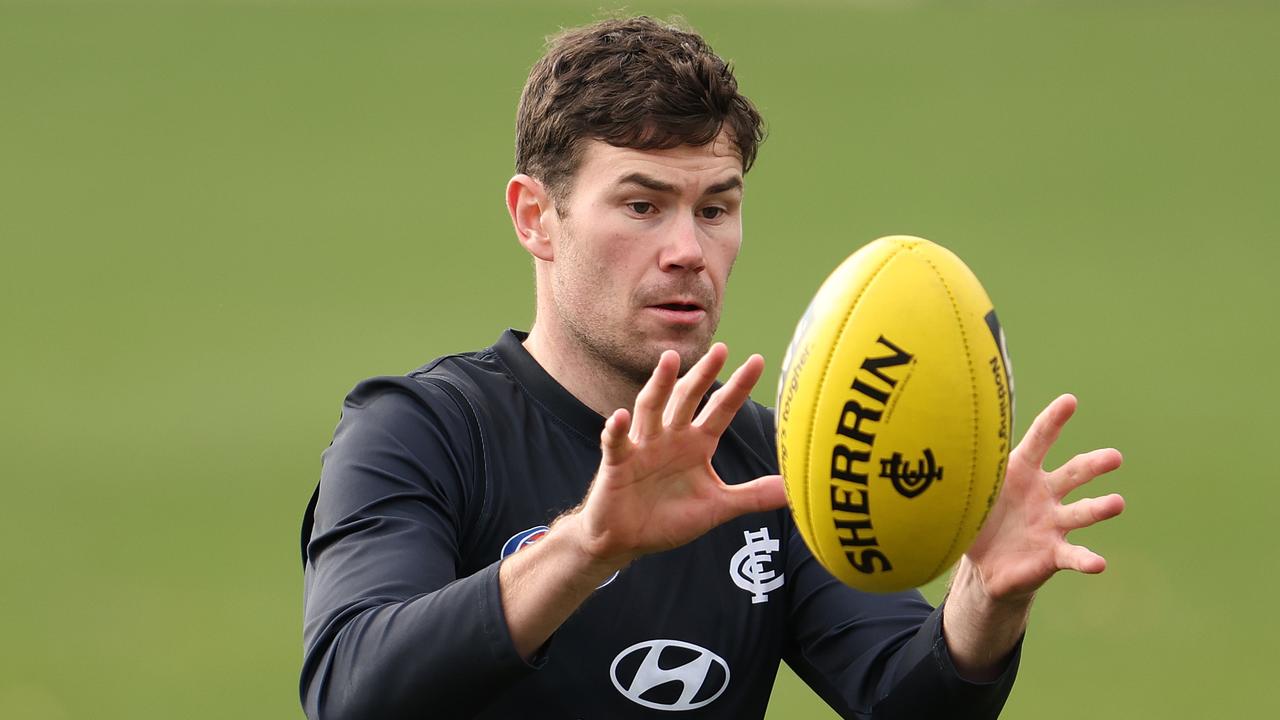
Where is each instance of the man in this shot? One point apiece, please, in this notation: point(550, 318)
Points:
point(548, 527)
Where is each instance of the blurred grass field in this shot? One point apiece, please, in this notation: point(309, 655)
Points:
point(216, 217)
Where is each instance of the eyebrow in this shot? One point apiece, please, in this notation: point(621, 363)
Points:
point(730, 184)
point(657, 185)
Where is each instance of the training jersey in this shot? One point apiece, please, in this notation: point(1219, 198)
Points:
point(434, 477)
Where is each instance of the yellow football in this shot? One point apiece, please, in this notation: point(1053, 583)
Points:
point(895, 408)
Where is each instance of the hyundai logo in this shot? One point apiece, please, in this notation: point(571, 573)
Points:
point(669, 675)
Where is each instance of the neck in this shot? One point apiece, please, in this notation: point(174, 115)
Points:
point(596, 384)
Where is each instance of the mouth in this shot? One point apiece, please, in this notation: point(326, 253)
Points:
point(679, 312)
point(679, 307)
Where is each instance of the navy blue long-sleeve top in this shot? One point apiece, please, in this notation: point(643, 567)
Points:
point(434, 477)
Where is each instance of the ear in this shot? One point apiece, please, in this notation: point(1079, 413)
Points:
point(531, 209)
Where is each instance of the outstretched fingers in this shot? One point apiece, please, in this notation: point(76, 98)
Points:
point(1083, 513)
point(1045, 429)
point(726, 401)
point(653, 396)
point(695, 383)
point(1081, 469)
point(760, 495)
point(615, 443)
point(1080, 559)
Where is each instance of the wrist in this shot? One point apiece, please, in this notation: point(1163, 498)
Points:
point(981, 630)
point(586, 557)
point(544, 583)
point(970, 589)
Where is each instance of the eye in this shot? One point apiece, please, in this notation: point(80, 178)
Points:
point(640, 207)
point(712, 212)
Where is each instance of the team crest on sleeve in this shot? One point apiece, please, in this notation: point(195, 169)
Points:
point(747, 567)
point(525, 538)
point(522, 539)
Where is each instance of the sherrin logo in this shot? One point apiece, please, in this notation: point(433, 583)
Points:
point(669, 675)
point(871, 392)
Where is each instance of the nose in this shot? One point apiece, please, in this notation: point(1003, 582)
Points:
point(683, 248)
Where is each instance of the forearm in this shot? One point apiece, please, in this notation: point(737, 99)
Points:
point(545, 583)
point(445, 652)
point(981, 632)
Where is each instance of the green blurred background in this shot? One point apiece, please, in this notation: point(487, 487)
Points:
point(216, 217)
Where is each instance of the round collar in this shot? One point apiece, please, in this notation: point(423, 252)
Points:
point(544, 388)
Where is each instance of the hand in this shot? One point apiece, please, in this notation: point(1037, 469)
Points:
point(655, 489)
point(1023, 542)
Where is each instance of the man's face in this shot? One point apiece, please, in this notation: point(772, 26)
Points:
point(643, 250)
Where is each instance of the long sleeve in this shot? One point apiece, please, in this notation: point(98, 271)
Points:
point(391, 630)
point(879, 656)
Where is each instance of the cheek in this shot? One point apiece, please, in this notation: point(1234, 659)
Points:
point(601, 271)
point(605, 261)
point(621, 256)
point(722, 251)
point(729, 247)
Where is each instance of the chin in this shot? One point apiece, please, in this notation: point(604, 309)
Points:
point(690, 356)
point(634, 352)
point(691, 347)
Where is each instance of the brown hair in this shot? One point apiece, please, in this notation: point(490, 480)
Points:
point(636, 83)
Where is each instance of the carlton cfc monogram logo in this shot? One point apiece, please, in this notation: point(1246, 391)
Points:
point(747, 567)
point(910, 483)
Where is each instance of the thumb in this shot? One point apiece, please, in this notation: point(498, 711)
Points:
point(760, 495)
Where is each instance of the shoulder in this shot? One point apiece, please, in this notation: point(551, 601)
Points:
point(413, 433)
point(479, 382)
point(444, 389)
point(399, 406)
point(422, 412)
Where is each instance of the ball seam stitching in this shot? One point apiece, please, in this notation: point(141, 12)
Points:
point(822, 384)
point(973, 391)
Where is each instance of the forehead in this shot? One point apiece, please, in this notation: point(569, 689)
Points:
point(686, 166)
